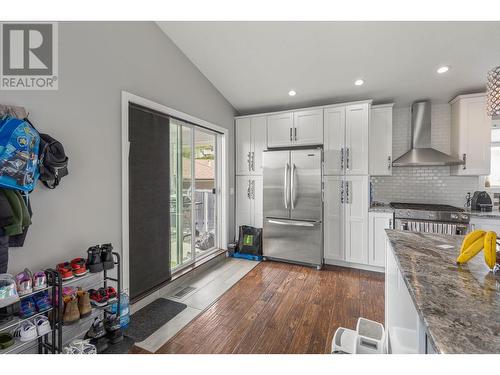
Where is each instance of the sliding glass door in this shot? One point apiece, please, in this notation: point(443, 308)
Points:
point(193, 188)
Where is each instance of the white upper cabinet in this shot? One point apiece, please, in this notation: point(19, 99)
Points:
point(346, 139)
point(300, 128)
point(380, 140)
point(471, 135)
point(334, 140)
point(243, 146)
point(280, 130)
point(356, 139)
point(308, 127)
point(250, 143)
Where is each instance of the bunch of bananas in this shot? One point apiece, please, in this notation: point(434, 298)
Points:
point(474, 242)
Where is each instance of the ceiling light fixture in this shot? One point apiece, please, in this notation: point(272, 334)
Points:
point(359, 82)
point(292, 93)
point(443, 69)
point(493, 93)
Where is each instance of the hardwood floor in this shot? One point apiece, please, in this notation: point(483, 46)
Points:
point(283, 308)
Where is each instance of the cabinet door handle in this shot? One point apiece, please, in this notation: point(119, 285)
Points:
point(464, 158)
point(342, 192)
point(347, 158)
point(249, 161)
point(253, 161)
point(253, 189)
point(248, 189)
point(295, 133)
point(348, 195)
point(291, 139)
point(389, 164)
point(390, 223)
point(342, 159)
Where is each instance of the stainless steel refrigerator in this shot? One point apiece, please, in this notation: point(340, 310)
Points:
point(293, 206)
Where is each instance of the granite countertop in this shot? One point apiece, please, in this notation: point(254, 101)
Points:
point(459, 305)
point(380, 207)
point(495, 214)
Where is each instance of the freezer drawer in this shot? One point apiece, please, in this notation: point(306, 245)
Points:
point(293, 241)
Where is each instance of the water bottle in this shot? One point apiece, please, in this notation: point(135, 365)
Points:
point(124, 310)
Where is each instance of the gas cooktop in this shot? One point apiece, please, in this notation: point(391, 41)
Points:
point(425, 207)
point(430, 212)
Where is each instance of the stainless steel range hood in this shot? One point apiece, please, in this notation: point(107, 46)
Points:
point(421, 153)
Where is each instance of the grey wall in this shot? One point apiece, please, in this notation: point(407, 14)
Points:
point(96, 62)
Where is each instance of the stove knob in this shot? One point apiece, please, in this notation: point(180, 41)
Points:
point(464, 217)
point(454, 216)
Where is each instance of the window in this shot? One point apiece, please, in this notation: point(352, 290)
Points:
point(495, 158)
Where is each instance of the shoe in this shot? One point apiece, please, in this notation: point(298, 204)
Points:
point(96, 330)
point(98, 297)
point(107, 256)
point(42, 301)
point(26, 331)
point(71, 312)
point(78, 267)
point(94, 263)
point(84, 303)
point(24, 282)
point(65, 270)
point(27, 308)
point(39, 280)
point(113, 329)
point(80, 347)
point(111, 293)
point(8, 291)
point(6, 340)
point(7, 313)
point(42, 325)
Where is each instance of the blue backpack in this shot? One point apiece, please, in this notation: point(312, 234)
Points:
point(19, 143)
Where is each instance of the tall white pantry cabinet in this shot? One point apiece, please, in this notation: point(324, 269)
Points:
point(250, 142)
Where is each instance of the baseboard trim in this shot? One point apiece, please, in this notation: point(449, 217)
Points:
point(364, 267)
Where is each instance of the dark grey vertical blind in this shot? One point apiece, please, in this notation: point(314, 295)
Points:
point(149, 200)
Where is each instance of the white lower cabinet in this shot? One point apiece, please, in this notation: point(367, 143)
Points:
point(346, 219)
point(377, 239)
point(249, 201)
point(406, 333)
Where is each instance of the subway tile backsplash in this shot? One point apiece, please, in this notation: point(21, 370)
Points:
point(422, 184)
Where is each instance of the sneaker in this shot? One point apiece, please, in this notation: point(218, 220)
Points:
point(39, 280)
point(42, 301)
point(96, 330)
point(80, 347)
point(27, 308)
point(113, 329)
point(24, 282)
point(107, 256)
point(78, 267)
point(42, 325)
point(65, 270)
point(84, 303)
point(111, 293)
point(8, 290)
point(26, 331)
point(94, 263)
point(98, 297)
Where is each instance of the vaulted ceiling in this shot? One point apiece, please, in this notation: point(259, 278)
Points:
point(255, 64)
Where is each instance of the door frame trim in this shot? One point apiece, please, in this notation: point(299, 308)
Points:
point(221, 170)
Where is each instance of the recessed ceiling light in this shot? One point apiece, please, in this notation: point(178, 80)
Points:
point(443, 69)
point(359, 82)
point(292, 93)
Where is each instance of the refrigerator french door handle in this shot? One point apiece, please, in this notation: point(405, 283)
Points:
point(292, 223)
point(291, 134)
point(292, 186)
point(285, 186)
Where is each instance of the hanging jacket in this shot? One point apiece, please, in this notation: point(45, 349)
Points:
point(21, 216)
